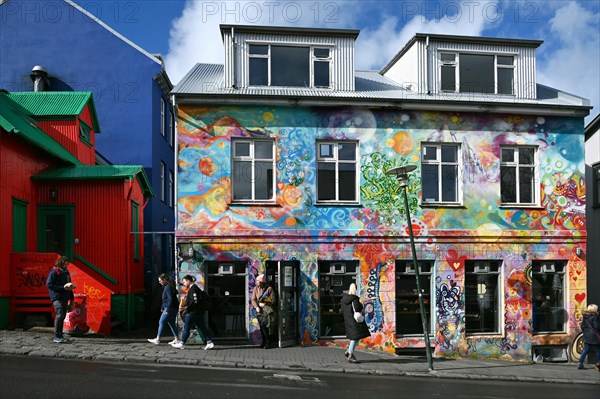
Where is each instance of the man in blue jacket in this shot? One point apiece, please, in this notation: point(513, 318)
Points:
point(60, 289)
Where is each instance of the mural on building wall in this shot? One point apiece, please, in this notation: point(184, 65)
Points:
point(375, 232)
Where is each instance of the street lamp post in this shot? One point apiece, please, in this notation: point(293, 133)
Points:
point(401, 174)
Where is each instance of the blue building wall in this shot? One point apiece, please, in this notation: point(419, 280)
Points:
point(79, 53)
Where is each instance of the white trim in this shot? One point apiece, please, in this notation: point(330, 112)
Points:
point(114, 32)
point(438, 162)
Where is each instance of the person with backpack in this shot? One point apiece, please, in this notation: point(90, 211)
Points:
point(590, 326)
point(170, 304)
point(197, 302)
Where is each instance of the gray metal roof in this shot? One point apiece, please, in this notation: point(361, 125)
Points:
point(205, 82)
point(209, 79)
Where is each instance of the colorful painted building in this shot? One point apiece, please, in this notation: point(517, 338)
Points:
point(55, 200)
point(282, 160)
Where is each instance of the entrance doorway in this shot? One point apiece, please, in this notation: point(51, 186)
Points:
point(284, 277)
point(56, 230)
point(226, 283)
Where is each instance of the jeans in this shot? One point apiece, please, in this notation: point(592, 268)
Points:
point(352, 346)
point(60, 307)
point(586, 350)
point(168, 317)
point(195, 319)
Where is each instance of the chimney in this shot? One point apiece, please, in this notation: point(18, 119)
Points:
point(40, 78)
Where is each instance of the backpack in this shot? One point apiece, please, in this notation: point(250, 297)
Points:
point(205, 302)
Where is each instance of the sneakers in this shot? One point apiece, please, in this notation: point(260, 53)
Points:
point(59, 340)
point(346, 354)
point(174, 341)
point(352, 359)
point(597, 366)
point(209, 345)
point(154, 341)
point(178, 345)
point(580, 367)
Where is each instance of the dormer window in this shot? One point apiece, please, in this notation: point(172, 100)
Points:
point(85, 132)
point(292, 66)
point(476, 73)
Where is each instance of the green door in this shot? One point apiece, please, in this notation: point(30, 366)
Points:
point(56, 229)
point(19, 225)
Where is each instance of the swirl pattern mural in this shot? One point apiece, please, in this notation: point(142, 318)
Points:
point(375, 231)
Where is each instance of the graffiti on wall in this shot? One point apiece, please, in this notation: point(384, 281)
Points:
point(388, 139)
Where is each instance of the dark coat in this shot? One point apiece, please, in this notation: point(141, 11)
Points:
point(354, 330)
point(589, 326)
point(170, 301)
point(57, 278)
point(192, 299)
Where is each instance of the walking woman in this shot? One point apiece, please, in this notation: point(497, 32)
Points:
point(170, 304)
point(355, 331)
point(590, 326)
point(193, 314)
point(264, 302)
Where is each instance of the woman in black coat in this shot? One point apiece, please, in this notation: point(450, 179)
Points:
point(354, 330)
point(590, 326)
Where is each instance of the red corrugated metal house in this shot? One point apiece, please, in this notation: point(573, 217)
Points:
point(54, 199)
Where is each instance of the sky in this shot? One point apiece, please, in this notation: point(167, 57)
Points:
point(186, 32)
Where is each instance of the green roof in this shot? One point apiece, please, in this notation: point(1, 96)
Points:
point(98, 172)
point(56, 104)
point(16, 120)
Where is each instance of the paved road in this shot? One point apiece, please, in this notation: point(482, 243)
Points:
point(131, 350)
point(28, 377)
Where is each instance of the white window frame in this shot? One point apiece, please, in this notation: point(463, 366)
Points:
point(334, 159)
point(171, 131)
point(440, 164)
point(251, 159)
point(456, 65)
point(517, 165)
point(162, 116)
point(311, 61)
point(481, 263)
point(405, 268)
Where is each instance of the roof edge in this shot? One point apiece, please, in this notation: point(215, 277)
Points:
point(111, 30)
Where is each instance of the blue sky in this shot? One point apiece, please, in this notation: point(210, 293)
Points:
point(186, 32)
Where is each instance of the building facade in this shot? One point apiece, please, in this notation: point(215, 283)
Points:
point(282, 160)
point(79, 52)
point(56, 201)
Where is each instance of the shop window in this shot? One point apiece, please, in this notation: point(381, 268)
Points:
point(548, 313)
point(482, 296)
point(334, 279)
point(227, 285)
point(408, 313)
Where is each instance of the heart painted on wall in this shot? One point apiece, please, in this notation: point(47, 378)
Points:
point(580, 297)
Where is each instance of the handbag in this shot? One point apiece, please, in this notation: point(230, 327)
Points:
point(358, 316)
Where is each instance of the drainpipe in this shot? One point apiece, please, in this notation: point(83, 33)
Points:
point(234, 50)
point(428, 67)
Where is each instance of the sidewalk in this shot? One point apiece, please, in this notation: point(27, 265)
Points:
point(293, 359)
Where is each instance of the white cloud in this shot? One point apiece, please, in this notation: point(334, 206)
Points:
point(375, 47)
point(572, 63)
